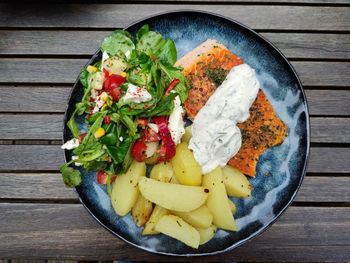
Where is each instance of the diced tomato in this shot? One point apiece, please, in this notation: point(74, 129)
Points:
point(142, 122)
point(116, 93)
point(107, 119)
point(82, 136)
point(138, 151)
point(150, 135)
point(102, 177)
point(112, 82)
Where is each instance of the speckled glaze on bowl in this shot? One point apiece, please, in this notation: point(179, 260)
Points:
point(285, 165)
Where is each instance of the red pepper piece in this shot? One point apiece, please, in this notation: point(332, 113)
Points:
point(167, 147)
point(107, 119)
point(138, 151)
point(82, 136)
point(102, 177)
point(171, 86)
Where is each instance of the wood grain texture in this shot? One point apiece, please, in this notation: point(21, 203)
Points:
point(49, 186)
point(30, 157)
point(34, 98)
point(31, 127)
point(328, 102)
point(330, 130)
point(54, 100)
point(50, 157)
point(45, 42)
point(115, 16)
point(29, 70)
point(50, 127)
point(49, 230)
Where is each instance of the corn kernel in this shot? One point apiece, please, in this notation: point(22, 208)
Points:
point(104, 107)
point(91, 69)
point(123, 74)
point(99, 133)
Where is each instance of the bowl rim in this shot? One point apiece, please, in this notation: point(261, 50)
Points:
point(308, 137)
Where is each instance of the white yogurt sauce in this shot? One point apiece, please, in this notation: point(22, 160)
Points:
point(215, 136)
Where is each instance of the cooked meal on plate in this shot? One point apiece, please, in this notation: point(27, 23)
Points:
point(171, 140)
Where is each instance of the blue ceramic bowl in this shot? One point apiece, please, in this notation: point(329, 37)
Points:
point(284, 164)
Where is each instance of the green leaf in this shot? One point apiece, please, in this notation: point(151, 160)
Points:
point(81, 107)
point(84, 74)
point(157, 79)
point(130, 125)
point(118, 153)
point(171, 73)
point(167, 54)
point(89, 139)
point(118, 41)
point(164, 107)
point(127, 159)
point(71, 177)
point(150, 42)
point(92, 156)
point(122, 32)
point(73, 126)
point(109, 139)
point(143, 30)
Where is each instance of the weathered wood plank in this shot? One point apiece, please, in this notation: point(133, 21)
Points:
point(50, 157)
point(34, 99)
point(49, 186)
point(50, 127)
point(323, 73)
point(328, 102)
point(330, 130)
point(32, 127)
point(293, 45)
point(54, 100)
point(324, 189)
point(30, 70)
point(30, 157)
point(114, 16)
point(38, 231)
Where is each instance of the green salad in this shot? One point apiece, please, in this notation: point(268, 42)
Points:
point(128, 96)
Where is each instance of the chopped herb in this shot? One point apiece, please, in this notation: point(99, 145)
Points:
point(216, 75)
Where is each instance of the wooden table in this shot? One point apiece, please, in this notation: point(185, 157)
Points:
point(42, 49)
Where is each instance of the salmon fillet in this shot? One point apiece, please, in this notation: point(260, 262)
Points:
point(205, 67)
point(262, 130)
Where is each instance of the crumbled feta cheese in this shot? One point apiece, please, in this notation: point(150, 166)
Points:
point(176, 121)
point(154, 127)
point(96, 109)
point(127, 54)
point(136, 94)
point(74, 157)
point(71, 144)
point(104, 57)
point(121, 138)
